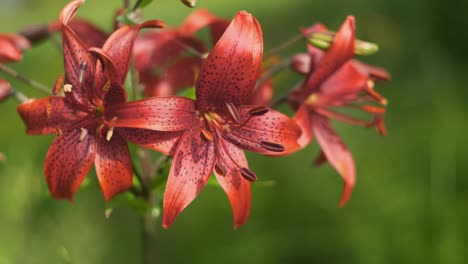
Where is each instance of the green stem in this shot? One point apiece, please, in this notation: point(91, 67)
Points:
point(148, 232)
point(19, 77)
point(283, 46)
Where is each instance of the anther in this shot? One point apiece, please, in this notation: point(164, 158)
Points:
point(219, 169)
point(274, 147)
point(67, 88)
point(83, 135)
point(373, 109)
point(258, 111)
point(110, 133)
point(84, 65)
point(206, 135)
point(248, 174)
point(233, 112)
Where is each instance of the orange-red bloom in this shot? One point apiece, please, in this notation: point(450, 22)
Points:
point(334, 80)
point(11, 47)
point(82, 120)
point(217, 126)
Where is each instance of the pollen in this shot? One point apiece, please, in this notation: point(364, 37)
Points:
point(312, 99)
point(67, 88)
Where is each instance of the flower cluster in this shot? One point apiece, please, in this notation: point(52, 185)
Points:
point(93, 120)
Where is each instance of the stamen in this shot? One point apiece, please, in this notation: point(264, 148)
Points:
point(82, 71)
point(110, 133)
point(83, 135)
point(258, 111)
point(219, 169)
point(58, 84)
point(67, 88)
point(99, 129)
point(376, 96)
point(272, 146)
point(373, 109)
point(248, 174)
point(233, 112)
point(206, 135)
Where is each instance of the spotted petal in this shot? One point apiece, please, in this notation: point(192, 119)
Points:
point(229, 73)
point(232, 159)
point(163, 142)
point(46, 115)
point(273, 127)
point(79, 66)
point(157, 113)
point(68, 162)
point(119, 47)
point(336, 153)
point(192, 165)
point(113, 166)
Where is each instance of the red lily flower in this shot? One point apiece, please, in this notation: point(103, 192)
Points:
point(166, 51)
point(11, 47)
point(335, 80)
point(217, 126)
point(84, 133)
point(175, 54)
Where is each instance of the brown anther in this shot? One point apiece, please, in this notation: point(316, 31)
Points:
point(83, 135)
point(274, 147)
point(258, 111)
point(233, 112)
point(206, 135)
point(219, 169)
point(82, 71)
point(248, 174)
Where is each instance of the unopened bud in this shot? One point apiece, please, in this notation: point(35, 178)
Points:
point(189, 3)
point(323, 40)
point(36, 33)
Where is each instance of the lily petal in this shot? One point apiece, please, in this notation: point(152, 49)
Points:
point(163, 142)
point(192, 166)
point(68, 162)
point(272, 126)
point(201, 18)
point(180, 75)
point(158, 48)
point(113, 166)
point(341, 50)
point(336, 153)
point(303, 120)
point(375, 73)
point(119, 47)
point(46, 115)
point(173, 113)
point(262, 94)
point(229, 73)
point(11, 47)
point(238, 190)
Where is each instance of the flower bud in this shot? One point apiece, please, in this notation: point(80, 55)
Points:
point(323, 40)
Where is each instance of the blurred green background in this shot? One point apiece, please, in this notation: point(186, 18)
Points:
point(409, 205)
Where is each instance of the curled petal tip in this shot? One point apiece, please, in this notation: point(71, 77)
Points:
point(69, 11)
point(347, 191)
